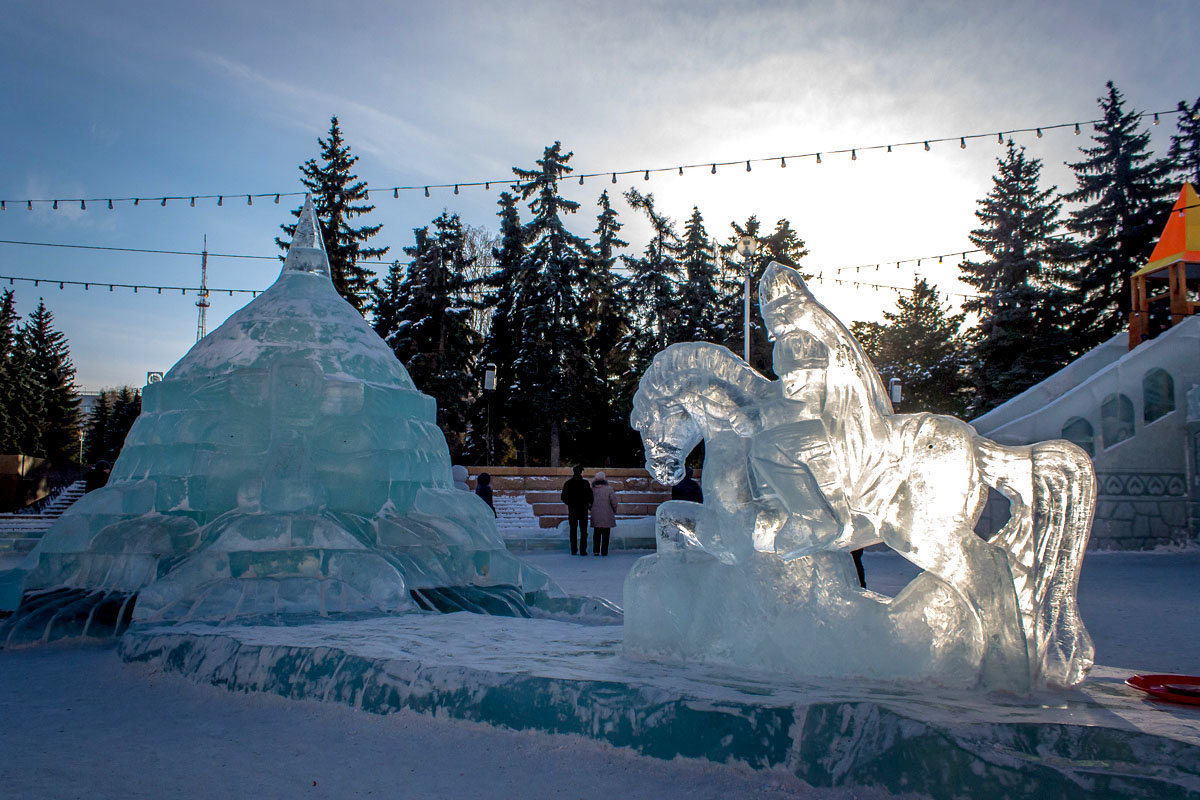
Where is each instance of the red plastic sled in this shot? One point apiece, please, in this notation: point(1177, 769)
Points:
point(1170, 688)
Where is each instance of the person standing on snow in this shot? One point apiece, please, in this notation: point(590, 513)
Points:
point(604, 514)
point(577, 496)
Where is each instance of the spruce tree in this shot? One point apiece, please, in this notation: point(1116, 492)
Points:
point(1125, 196)
point(654, 285)
point(434, 338)
point(12, 378)
point(387, 302)
point(507, 292)
point(701, 309)
point(108, 423)
point(339, 196)
point(52, 433)
point(1020, 337)
point(606, 326)
point(921, 344)
point(553, 370)
point(1184, 153)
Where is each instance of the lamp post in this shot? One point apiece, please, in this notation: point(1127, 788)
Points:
point(489, 388)
point(745, 248)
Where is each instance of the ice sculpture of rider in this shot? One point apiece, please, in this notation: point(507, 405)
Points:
point(798, 460)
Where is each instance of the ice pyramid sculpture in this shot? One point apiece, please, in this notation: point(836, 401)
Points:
point(286, 465)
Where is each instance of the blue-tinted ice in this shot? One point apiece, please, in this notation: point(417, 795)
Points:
point(286, 465)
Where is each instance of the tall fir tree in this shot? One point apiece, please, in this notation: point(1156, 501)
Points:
point(654, 284)
point(920, 343)
point(1184, 153)
point(339, 196)
point(434, 338)
point(388, 301)
point(507, 293)
point(46, 358)
point(553, 372)
point(12, 378)
point(108, 423)
point(606, 325)
point(1020, 337)
point(701, 318)
point(1125, 195)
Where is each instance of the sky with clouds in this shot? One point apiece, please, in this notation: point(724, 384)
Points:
point(150, 99)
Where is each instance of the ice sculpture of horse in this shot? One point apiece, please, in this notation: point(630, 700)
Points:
point(831, 467)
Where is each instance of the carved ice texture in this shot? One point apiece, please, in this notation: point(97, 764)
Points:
point(800, 470)
point(286, 465)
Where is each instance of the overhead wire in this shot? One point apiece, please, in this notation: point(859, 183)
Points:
point(711, 165)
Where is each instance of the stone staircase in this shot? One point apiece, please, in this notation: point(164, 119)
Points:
point(20, 533)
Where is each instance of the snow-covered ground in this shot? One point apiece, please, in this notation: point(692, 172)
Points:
point(79, 722)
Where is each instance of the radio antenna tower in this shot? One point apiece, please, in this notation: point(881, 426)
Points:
point(202, 303)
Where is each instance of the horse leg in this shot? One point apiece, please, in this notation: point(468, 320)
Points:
point(945, 545)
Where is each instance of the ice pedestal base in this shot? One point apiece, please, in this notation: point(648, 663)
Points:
point(1099, 739)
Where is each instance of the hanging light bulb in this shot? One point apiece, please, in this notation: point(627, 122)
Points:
point(29, 205)
point(136, 200)
point(854, 155)
point(3, 205)
point(681, 172)
point(249, 200)
point(614, 178)
point(110, 204)
point(220, 200)
point(1076, 128)
point(714, 169)
point(926, 147)
point(164, 202)
point(1156, 118)
point(456, 186)
point(427, 191)
point(276, 199)
point(487, 186)
point(999, 138)
point(889, 148)
point(1039, 133)
point(83, 205)
point(646, 177)
point(818, 158)
point(939, 259)
point(782, 162)
point(55, 206)
point(193, 202)
point(747, 166)
point(581, 180)
point(962, 143)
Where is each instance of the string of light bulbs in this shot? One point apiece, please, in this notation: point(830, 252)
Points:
point(87, 285)
point(456, 186)
point(183, 290)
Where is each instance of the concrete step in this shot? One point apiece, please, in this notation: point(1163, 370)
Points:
point(553, 521)
point(626, 509)
point(622, 497)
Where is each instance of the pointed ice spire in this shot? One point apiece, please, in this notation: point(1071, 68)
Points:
point(307, 251)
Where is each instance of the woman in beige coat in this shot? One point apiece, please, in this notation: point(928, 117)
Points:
point(604, 514)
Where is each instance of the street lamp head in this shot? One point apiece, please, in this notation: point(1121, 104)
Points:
point(745, 246)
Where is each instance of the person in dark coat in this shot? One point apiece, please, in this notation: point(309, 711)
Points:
point(687, 489)
point(483, 488)
point(577, 496)
point(604, 514)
